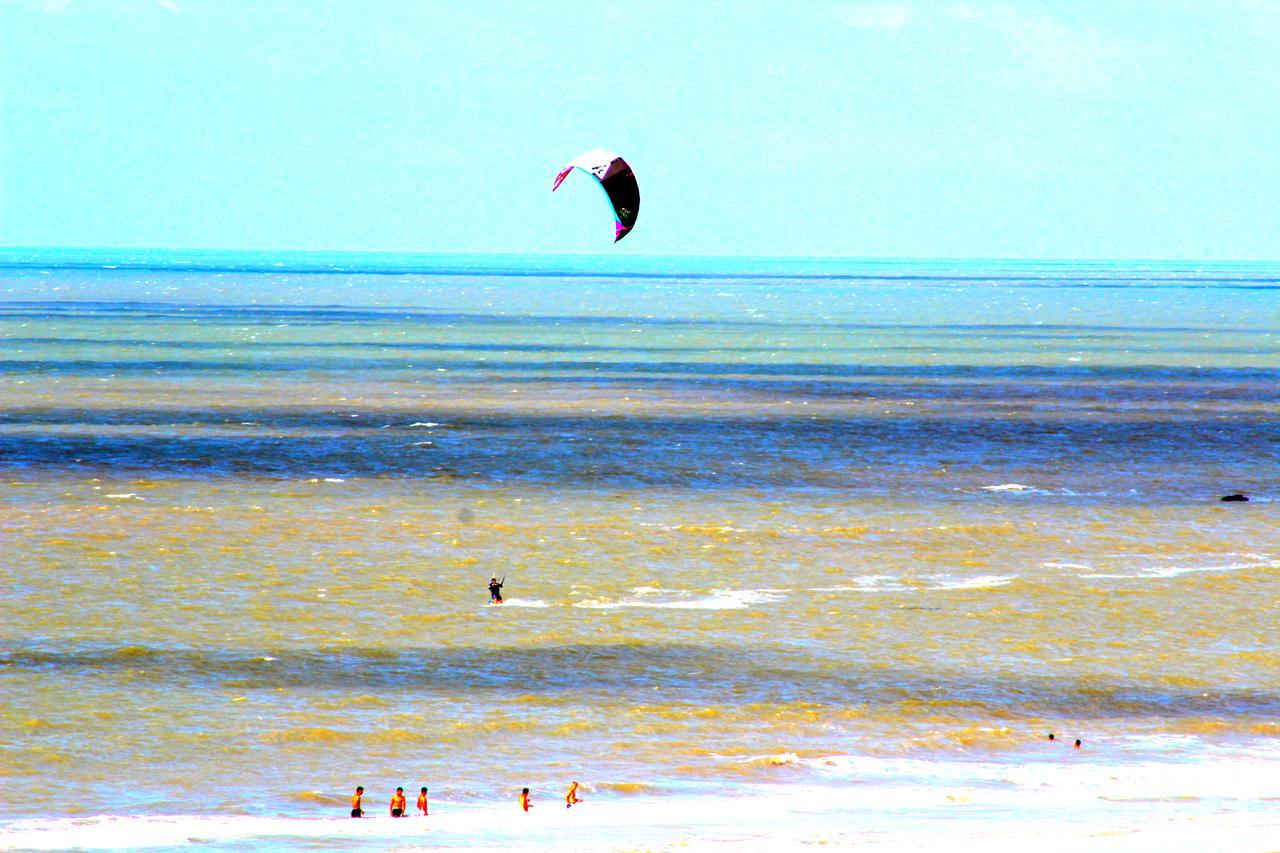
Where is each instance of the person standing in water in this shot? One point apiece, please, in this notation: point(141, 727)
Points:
point(356, 811)
point(524, 799)
point(422, 803)
point(397, 803)
point(571, 796)
point(495, 591)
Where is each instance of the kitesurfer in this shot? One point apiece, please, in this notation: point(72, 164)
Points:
point(398, 803)
point(495, 591)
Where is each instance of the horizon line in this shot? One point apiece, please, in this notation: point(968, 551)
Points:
point(618, 257)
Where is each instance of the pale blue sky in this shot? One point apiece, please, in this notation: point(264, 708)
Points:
point(870, 129)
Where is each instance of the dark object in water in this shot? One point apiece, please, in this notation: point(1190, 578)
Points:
point(1235, 497)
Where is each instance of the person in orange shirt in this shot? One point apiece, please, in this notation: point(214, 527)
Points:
point(524, 799)
point(571, 796)
point(397, 803)
point(422, 803)
point(356, 811)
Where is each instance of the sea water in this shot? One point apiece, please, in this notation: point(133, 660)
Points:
point(796, 551)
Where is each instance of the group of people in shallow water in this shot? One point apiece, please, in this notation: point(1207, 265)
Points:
point(571, 798)
point(399, 803)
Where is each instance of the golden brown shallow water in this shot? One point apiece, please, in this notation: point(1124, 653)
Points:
point(733, 552)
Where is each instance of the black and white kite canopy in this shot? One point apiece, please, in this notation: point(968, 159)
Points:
point(616, 179)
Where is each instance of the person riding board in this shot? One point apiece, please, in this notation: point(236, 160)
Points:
point(495, 590)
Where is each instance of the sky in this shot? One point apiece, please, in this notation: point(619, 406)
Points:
point(1110, 130)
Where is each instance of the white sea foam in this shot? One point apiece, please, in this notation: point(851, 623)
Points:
point(720, 599)
point(1175, 569)
point(866, 583)
point(424, 424)
point(980, 582)
point(1022, 489)
point(1065, 775)
point(1080, 801)
point(126, 496)
point(524, 602)
point(781, 759)
point(889, 583)
point(110, 832)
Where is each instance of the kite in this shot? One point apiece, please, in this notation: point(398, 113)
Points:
point(618, 182)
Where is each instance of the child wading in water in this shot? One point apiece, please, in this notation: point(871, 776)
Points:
point(524, 799)
point(571, 796)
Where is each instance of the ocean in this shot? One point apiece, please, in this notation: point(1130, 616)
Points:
point(796, 552)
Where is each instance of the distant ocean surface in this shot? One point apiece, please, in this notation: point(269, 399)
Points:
point(797, 551)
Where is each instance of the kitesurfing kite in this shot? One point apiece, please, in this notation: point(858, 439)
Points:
point(617, 181)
